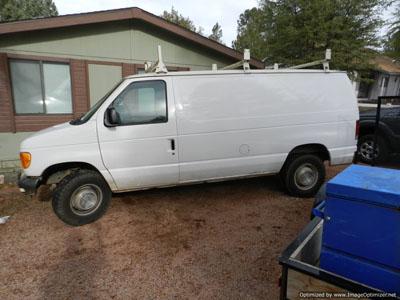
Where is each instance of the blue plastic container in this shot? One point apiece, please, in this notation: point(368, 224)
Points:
point(361, 233)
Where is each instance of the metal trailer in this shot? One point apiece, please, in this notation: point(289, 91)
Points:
point(302, 278)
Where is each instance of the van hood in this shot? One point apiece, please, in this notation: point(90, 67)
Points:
point(61, 135)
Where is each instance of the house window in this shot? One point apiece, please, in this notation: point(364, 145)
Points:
point(41, 87)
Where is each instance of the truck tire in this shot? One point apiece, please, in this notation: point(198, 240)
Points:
point(81, 198)
point(365, 146)
point(304, 175)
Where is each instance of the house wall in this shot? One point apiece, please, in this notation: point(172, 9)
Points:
point(376, 88)
point(125, 41)
point(393, 86)
point(127, 44)
point(396, 90)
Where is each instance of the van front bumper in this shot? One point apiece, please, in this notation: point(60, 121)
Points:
point(29, 185)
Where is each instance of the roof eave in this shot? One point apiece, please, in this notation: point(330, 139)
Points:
point(387, 72)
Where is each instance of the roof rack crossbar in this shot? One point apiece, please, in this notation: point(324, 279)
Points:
point(323, 62)
point(245, 62)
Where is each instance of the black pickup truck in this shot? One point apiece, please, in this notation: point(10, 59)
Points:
point(388, 140)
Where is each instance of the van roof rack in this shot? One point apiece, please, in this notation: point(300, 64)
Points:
point(158, 67)
point(245, 62)
point(324, 62)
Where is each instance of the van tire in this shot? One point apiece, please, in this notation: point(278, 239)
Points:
point(304, 175)
point(81, 198)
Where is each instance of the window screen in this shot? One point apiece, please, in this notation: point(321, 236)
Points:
point(57, 85)
point(40, 87)
point(26, 87)
point(141, 103)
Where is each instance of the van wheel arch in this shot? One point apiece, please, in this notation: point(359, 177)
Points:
point(55, 173)
point(316, 149)
point(367, 129)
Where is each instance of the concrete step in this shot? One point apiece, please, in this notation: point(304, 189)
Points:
point(9, 177)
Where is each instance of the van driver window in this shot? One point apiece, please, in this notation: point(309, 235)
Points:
point(141, 103)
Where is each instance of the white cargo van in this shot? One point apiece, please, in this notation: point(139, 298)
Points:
point(157, 130)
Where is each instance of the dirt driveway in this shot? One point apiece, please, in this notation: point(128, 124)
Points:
point(212, 241)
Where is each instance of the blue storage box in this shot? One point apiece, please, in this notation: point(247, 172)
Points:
point(361, 231)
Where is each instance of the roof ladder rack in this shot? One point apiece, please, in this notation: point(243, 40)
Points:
point(158, 67)
point(245, 62)
point(324, 62)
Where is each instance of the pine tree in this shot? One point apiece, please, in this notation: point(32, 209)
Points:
point(14, 10)
point(216, 34)
point(293, 32)
point(392, 44)
point(175, 17)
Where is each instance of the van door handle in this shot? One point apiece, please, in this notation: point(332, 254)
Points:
point(172, 144)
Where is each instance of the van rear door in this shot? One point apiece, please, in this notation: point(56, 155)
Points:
point(140, 151)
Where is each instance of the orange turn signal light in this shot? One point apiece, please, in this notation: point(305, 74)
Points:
point(25, 158)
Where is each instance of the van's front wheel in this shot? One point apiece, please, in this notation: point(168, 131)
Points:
point(81, 198)
point(304, 175)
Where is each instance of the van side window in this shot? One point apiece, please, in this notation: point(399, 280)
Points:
point(141, 103)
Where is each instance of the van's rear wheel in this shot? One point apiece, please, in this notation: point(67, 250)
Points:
point(304, 175)
point(81, 198)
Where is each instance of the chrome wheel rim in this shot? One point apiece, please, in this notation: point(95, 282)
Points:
point(306, 176)
point(86, 199)
point(366, 149)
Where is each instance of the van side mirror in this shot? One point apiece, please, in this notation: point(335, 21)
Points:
point(111, 117)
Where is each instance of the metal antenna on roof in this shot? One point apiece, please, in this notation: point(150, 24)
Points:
point(159, 66)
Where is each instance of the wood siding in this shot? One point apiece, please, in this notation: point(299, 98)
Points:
point(7, 122)
point(30, 123)
point(128, 69)
point(80, 86)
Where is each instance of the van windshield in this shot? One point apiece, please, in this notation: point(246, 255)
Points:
point(85, 117)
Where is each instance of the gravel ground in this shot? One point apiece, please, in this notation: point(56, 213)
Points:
point(209, 241)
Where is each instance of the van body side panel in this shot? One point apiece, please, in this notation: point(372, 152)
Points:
point(65, 143)
point(140, 155)
point(238, 125)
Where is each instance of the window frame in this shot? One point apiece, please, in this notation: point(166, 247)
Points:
point(42, 86)
point(142, 123)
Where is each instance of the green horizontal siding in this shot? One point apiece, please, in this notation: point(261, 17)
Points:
point(123, 41)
